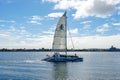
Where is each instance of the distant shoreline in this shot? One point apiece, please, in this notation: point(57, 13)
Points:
point(69, 50)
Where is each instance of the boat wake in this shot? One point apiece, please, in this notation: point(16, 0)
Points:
point(21, 61)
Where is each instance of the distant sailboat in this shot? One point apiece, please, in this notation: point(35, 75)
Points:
point(60, 44)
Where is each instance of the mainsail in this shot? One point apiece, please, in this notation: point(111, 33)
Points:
point(60, 36)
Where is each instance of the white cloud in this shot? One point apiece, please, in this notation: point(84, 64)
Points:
point(95, 42)
point(85, 8)
point(14, 34)
point(86, 26)
point(118, 8)
point(102, 8)
point(43, 41)
point(103, 28)
point(35, 19)
point(7, 21)
point(50, 1)
point(27, 42)
point(48, 32)
point(73, 31)
point(55, 15)
point(2, 35)
point(20, 38)
point(65, 4)
point(86, 22)
point(16, 40)
point(116, 24)
point(98, 8)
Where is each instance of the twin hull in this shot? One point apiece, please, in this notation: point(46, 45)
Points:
point(64, 59)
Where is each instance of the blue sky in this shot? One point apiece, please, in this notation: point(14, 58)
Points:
point(31, 23)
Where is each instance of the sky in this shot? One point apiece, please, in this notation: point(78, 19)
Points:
point(31, 23)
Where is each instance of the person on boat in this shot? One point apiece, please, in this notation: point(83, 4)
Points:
point(75, 54)
point(47, 55)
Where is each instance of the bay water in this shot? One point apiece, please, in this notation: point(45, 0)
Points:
point(28, 66)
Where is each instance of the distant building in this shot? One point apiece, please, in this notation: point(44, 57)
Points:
point(113, 48)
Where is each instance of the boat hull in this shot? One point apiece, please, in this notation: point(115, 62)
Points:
point(63, 59)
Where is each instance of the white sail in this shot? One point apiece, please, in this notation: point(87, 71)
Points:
point(60, 40)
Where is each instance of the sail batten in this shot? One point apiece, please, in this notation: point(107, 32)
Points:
point(60, 41)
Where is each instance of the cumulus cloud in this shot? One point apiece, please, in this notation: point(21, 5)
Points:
point(13, 39)
point(86, 8)
point(43, 41)
point(2, 35)
point(103, 28)
point(95, 41)
point(116, 24)
point(35, 19)
point(118, 8)
point(7, 21)
point(55, 15)
point(48, 32)
point(86, 22)
point(14, 34)
point(50, 1)
point(73, 31)
point(101, 8)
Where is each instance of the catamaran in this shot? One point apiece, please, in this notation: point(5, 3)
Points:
point(60, 44)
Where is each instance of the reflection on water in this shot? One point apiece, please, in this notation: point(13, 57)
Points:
point(59, 71)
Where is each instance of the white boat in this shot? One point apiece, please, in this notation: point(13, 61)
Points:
point(60, 44)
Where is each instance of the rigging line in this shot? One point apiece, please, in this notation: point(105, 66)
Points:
point(71, 38)
point(70, 34)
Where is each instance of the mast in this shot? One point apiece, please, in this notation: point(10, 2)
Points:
point(66, 32)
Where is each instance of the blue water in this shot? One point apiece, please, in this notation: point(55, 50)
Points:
point(28, 66)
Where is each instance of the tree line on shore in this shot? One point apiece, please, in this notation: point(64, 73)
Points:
point(43, 49)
